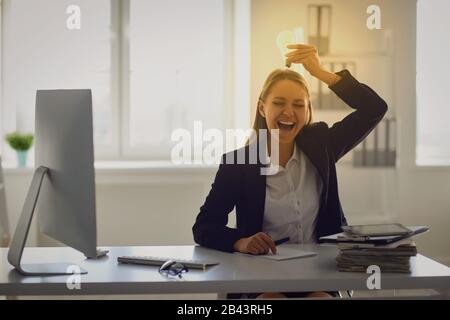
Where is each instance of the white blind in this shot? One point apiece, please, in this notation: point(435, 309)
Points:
point(433, 84)
point(177, 54)
point(40, 52)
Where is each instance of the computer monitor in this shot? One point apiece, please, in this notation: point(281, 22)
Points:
point(63, 186)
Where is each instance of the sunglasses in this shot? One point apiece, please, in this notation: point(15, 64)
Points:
point(173, 268)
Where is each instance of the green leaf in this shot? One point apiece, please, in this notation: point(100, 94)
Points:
point(20, 142)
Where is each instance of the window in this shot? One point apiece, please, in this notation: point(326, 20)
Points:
point(40, 52)
point(433, 70)
point(153, 66)
point(177, 75)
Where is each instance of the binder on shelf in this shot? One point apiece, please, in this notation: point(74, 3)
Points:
point(378, 149)
point(319, 27)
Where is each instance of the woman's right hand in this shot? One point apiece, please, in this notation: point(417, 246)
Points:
point(259, 243)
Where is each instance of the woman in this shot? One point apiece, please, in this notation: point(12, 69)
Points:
point(301, 200)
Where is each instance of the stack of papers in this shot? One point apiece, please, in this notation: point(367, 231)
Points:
point(394, 257)
point(371, 241)
point(389, 253)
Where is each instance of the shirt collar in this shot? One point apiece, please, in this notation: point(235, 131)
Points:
point(295, 154)
point(295, 157)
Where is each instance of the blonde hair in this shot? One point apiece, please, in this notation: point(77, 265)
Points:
point(274, 77)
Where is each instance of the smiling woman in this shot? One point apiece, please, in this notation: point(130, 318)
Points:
point(284, 104)
point(300, 201)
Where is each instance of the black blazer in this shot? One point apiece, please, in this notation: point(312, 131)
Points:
point(242, 185)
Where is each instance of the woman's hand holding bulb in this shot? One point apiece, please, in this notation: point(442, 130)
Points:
point(308, 56)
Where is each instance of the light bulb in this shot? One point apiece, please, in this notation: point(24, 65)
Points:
point(284, 38)
point(299, 38)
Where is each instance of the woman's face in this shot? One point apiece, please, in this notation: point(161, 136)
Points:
point(286, 109)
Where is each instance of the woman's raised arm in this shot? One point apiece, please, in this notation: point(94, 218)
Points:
point(370, 107)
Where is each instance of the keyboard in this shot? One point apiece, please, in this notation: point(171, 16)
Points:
point(159, 261)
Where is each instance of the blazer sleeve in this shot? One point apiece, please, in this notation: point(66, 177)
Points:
point(210, 228)
point(370, 109)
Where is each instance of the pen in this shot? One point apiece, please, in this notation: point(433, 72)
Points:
point(281, 241)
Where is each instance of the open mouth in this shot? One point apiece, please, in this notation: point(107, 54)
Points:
point(286, 125)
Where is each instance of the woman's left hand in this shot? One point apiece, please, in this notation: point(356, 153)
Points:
point(306, 55)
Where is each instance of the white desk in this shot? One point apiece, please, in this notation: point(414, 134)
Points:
point(236, 273)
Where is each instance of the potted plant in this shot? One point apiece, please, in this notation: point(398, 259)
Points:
point(21, 143)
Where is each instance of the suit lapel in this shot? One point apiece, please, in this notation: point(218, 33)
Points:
point(316, 154)
point(319, 158)
point(256, 189)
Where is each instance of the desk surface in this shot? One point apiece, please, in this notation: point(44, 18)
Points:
point(236, 273)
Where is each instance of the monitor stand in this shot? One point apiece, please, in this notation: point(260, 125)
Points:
point(21, 234)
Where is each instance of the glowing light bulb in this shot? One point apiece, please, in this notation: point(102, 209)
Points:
point(284, 38)
point(299, 38)
point(291, 37)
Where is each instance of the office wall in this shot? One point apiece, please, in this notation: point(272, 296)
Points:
point(151, 208)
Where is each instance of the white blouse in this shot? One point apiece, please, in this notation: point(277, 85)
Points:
point(293, 200)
